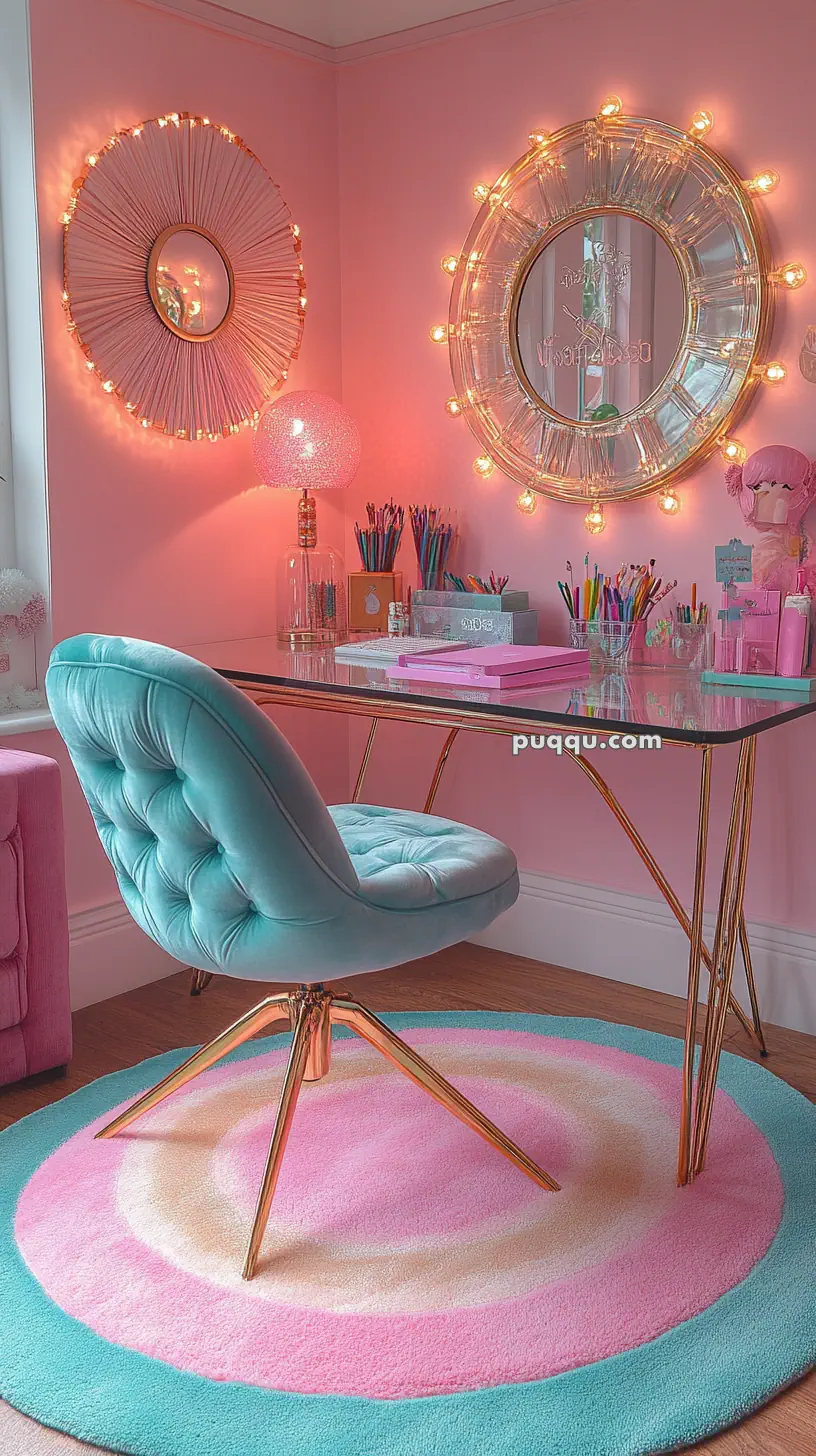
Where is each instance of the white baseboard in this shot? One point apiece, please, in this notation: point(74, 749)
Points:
point(110, 954)
point(635, 938)
point(624, 937)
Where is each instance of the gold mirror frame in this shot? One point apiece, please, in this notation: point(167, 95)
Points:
point(174, 173)
point(698, 205)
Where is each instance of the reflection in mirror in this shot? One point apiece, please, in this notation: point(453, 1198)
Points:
point(189, 283)
point(600, 317)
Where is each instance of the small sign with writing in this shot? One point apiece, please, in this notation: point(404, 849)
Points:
point(733, 562)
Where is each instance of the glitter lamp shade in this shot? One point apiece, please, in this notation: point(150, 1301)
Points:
point(307, 441)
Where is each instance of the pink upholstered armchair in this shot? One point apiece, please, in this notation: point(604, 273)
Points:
point(35, 1018)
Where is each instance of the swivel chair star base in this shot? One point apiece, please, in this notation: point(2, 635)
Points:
point(310, 1012)
point(228, 858)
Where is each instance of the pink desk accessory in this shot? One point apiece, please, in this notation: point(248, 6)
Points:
point(504, 666)
point(750, 629)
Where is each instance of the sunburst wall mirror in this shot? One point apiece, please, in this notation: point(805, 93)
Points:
point(611, 311)
point(183, 279)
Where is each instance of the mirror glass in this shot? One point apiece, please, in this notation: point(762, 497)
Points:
point(600, 317)
point(189, 283)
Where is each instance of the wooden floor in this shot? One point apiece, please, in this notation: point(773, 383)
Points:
point(155, 1018)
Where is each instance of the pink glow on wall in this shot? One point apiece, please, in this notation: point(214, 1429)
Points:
point(154, 537)
point(418, 129)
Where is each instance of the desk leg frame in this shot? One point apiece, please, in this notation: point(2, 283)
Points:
point(730, 927)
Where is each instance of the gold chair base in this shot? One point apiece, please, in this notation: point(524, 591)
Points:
point(310, 1012)
point(199, 981)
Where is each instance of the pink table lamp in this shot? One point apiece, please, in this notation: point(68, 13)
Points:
point(307, 441)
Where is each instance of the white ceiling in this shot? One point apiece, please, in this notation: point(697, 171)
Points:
point(345, 22)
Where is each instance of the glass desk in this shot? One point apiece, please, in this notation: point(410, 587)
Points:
point(641, 702)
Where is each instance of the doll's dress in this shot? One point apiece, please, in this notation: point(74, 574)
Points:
point(778, 556)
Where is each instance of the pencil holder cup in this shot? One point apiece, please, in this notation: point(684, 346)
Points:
point(668, 643)
point(605, 641)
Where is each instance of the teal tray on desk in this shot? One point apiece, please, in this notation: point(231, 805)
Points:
point(771, 685)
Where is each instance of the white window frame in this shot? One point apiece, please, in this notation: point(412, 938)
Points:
point(24, 498)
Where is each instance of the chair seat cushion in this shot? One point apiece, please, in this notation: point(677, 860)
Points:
point(410, 861)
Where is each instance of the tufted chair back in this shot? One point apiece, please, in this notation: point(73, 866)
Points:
point(224, 851)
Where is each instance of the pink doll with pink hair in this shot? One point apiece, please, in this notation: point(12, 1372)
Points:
point(775, 487)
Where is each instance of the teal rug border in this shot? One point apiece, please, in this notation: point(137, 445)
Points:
point(698, 1378)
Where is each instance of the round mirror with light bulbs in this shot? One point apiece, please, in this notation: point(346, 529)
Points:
point(611, 308)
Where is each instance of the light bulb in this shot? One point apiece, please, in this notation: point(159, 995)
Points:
point(728, 348)
point(790, 275)
point(450, 264)
point(764, 182)
point(734, 452)
point(773, 373)
point(669, 502)
point(162, 120)
point(439, 333)
point(483, 465)
point(453, 406)
point(609, 108)
point(89, 364)
point(527, 501)
point(700, 124)
point(594, 519)
point(295, 228)
point(108, 386)
point(92, 159)
point(137, 131)
point(481, 192)
point(538, 138)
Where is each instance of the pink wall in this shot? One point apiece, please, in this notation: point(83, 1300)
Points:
point(417, 129)
point(153, 537)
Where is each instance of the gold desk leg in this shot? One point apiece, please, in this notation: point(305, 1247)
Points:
point(369, 1026)
point(268, 1011)
point(292, 1082)
point(729, 913)
point(658, 876)
point(752, 991)
point(199, 981)
point(695, 952)
point(443, 758)
point(358, 787)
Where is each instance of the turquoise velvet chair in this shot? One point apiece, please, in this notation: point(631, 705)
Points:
point(228, 858)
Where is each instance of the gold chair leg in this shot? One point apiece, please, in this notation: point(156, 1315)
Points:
point(306, 1023)
point(369, 1026)
point(199, 981)
point(270, 1010)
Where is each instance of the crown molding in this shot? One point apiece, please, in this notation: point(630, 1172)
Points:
point(261, 32)
point(245, 27)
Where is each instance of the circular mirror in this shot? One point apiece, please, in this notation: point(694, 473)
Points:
point(600, 315)
point(190, 282)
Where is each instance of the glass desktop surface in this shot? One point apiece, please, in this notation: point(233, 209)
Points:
point(671, 702)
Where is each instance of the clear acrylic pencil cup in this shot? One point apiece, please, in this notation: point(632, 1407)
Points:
point(606, 641)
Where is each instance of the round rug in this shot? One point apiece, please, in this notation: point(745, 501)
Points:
point(417, 1294)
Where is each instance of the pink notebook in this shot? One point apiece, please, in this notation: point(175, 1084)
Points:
point(503, 666)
